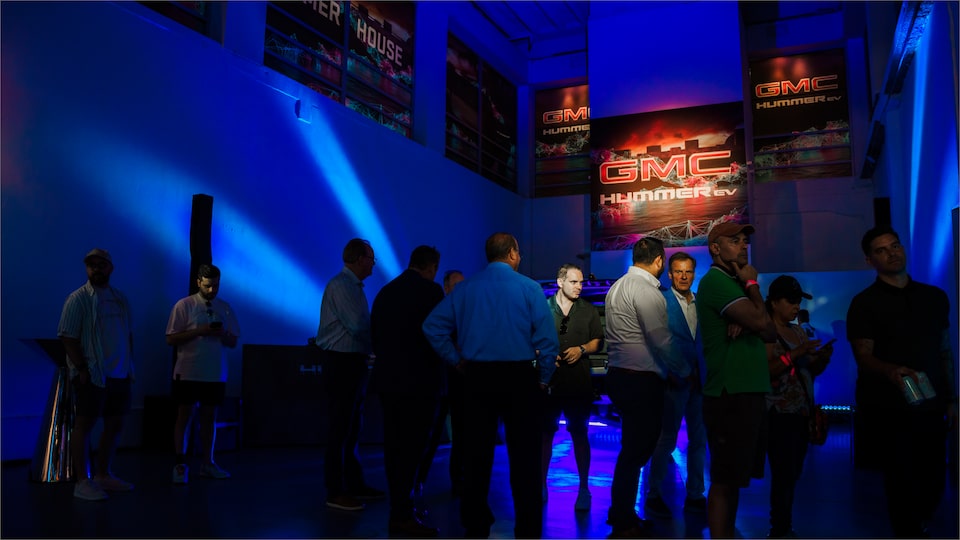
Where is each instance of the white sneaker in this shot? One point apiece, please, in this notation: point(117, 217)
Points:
point(112, 483)
point(180, 473)
point(88, 490)
point(212, 470)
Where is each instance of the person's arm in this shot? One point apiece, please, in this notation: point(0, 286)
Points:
point(439, 328)
point(653, 313)
point(946, 356)
point(70, 327)
point(74, 350)
point(544, 336)
point(177, 331)
point(574, 354)
point(863, 354)
point(751, 314)
point(231, 330)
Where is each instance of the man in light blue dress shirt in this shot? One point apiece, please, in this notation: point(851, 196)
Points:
point(496, 326)
point(345, 346)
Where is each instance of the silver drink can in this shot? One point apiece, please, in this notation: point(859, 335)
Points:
point(911, 392)
point(925, 387)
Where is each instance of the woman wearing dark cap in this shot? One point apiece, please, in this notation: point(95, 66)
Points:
point(794, 361)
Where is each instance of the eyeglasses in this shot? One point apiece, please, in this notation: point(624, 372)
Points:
point(371, 257)
point(563, 325)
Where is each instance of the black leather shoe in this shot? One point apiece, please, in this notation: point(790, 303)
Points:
point(367, 493)
point(413, 527)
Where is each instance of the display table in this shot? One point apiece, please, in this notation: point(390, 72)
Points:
point(284, 403)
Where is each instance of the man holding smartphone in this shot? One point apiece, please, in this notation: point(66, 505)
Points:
point(200, 326)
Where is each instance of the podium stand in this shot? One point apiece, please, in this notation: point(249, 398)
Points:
point(51, 459)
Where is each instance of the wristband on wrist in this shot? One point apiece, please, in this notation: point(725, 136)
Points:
point(787, 361)
point(750, 282)
point(582, 350)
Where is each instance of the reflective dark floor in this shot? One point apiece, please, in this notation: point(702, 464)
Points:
point(278, 493)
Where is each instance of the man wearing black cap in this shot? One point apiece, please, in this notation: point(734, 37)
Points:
point(900, 328)
point(735, 325)
point(96, 331)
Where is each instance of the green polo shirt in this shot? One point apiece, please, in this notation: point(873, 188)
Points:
point(735, 365)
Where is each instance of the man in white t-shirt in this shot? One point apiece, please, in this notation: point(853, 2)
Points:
point(200, 326)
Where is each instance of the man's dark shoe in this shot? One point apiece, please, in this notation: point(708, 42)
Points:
point(345, 502)
point(367, 493)
point(655, 506)
point(636, 531)
point(698, 506)
point(413, 527)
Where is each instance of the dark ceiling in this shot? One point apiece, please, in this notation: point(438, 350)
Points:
point(535, 21)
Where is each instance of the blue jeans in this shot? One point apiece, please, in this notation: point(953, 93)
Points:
point(679, 403)
point(638, 397)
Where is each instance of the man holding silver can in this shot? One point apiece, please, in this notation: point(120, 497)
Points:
point(906, 396)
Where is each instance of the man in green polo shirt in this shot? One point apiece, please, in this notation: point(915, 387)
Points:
point(735, 325)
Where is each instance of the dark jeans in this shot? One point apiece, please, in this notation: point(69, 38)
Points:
point(638, 397)
point(911, 447)
point(407, 421)
point(451, 404)
point(345, 378)
point(508, 391)
point(789, 437)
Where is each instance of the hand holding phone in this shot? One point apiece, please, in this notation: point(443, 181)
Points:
point(216, 324)
point(827, 344)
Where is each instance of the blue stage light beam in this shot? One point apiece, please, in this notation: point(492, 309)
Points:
point(247, 257)
point(336, 169)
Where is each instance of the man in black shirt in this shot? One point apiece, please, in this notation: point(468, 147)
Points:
point(571, 388)
point(407, 375)
point(899, 328)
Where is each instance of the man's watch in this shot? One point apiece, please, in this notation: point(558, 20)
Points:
point(582, 350)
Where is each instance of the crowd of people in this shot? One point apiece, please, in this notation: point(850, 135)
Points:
point(492, 352)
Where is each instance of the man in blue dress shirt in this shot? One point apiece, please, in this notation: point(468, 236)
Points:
point(497, 328)
point(344, 341)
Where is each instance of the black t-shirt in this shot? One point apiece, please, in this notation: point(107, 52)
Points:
point(583, 326)
point(906, 326)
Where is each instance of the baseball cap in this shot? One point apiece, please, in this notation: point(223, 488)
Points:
point(787, 287)
point(97, 252)
point(728, 228)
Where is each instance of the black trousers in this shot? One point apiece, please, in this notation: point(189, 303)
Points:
point(638, 397)
point(911, 448)
point(787, 445)
point(507, 391)
point(407, 423)
point(452, 404)
point(345, 381)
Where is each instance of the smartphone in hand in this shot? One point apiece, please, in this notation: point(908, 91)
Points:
point(827, 344)
point(216, 324)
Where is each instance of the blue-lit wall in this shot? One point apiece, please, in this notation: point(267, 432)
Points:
point(114, 117)
point(918, 169)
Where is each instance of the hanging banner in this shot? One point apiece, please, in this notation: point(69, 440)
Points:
point(667, 174)
point(801, 117)
point(562, 137)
